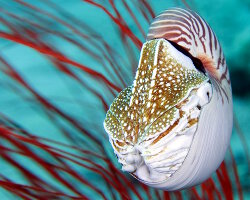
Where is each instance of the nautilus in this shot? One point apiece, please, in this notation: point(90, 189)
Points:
point(171, 128)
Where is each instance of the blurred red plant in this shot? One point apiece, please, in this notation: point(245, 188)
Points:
point(76, 162)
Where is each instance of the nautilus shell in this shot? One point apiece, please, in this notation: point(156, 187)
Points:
point(171, 128)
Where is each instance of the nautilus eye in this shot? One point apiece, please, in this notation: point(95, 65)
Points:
point(170, 129)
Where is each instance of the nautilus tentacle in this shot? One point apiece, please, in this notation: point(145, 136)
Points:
point(170, 129)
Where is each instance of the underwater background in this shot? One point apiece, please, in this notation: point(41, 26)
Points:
point(61, 65)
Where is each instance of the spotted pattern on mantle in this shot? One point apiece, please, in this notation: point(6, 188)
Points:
point(148, 106)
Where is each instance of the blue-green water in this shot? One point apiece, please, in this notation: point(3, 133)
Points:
point(229, 20)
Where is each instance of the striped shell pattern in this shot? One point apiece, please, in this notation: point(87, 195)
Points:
point(170, 129)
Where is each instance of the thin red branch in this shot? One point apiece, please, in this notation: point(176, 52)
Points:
point(123, 28)
point(57, 56)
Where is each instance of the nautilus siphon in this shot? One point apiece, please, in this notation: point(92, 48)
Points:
point(171, 128)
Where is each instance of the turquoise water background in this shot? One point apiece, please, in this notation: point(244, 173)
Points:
point(230, 20)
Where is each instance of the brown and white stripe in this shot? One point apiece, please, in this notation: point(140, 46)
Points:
point(191, 32)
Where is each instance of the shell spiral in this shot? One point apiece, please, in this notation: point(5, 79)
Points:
point(171, 128)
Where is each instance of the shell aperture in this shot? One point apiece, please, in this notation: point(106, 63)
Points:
point(155, 109)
